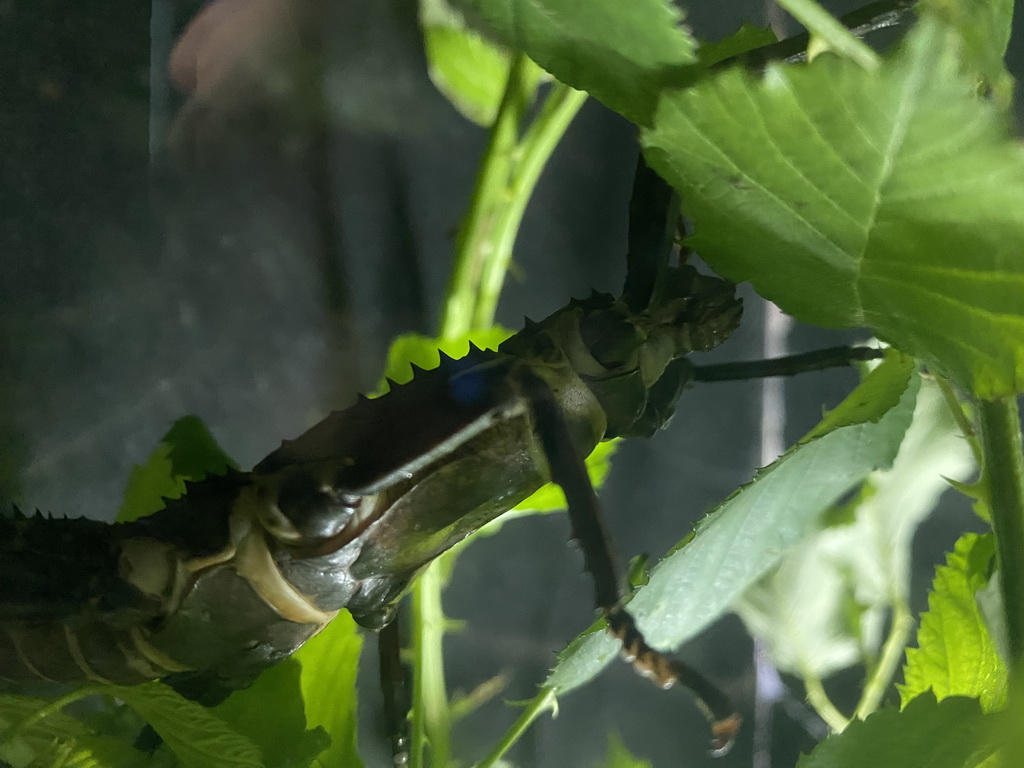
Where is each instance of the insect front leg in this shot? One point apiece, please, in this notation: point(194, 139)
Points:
point(569, 471)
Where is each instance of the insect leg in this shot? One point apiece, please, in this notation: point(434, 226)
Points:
point(653, 222)
point(394, 683)
point(568, 470)
point(818, 360)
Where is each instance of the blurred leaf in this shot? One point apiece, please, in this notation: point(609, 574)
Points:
point(199, 738)
point(984, 27)
point(187, 452)
point(826, 605)
point(747, 535)
point(469, 70)
point(956, 656)
point(953, 733)
point(330, 662)
point(271, 713)
point(35, 742)
point(620, 757)
point(746, 38)
point(890, 199)
point(622, 53)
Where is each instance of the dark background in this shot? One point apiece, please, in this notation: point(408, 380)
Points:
point(248, 259)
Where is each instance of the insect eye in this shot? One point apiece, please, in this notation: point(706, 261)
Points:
point(316, 511)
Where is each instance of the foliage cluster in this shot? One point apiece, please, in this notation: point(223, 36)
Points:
point(856, 190)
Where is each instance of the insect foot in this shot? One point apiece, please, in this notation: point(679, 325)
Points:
point(664, 672)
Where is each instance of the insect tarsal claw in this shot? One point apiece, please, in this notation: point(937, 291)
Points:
point(723, 735)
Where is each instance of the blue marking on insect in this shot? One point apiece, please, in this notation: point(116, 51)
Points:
point(468, 387)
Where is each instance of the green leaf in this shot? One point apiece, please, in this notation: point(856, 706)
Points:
point(193, 450)
point(413, 349)
point(956, 655)
point(330, 662)
point(746, 535)
point(880, 390)
point(953, 733)
point(890, 199)
point(622, 53)
point(192, 732)
point(620, 757)
point(469, 70)
point(187, 452)
point(827, 604)
point(271, 713)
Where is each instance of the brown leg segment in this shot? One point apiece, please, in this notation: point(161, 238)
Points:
point(569, 471)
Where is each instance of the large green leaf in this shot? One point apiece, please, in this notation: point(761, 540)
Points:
point(622, 53)
point(927, 734)
point(891, 199)
point(747, 535)
point(956, 656)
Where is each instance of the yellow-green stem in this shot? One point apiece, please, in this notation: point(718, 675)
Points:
point(541, 703)
point(880, 678)
point(820, 702)
point(508, 175)
point(961, 419)
point(540, 141)
point(474, 243)
point(431, 720)
point(827, 29)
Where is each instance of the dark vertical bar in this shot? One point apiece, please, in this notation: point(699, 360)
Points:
point(394, 684)
point(653, 221)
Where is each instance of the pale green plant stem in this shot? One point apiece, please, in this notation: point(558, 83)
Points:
point(821, 703)
point(1004, 482)
point(540, 704)
point(474, 244)
point(560, 107)
point(509, 172)
point(880, 678)
point(828, 30)
point(431, 718)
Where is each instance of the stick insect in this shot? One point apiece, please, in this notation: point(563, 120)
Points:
point(241, 571)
